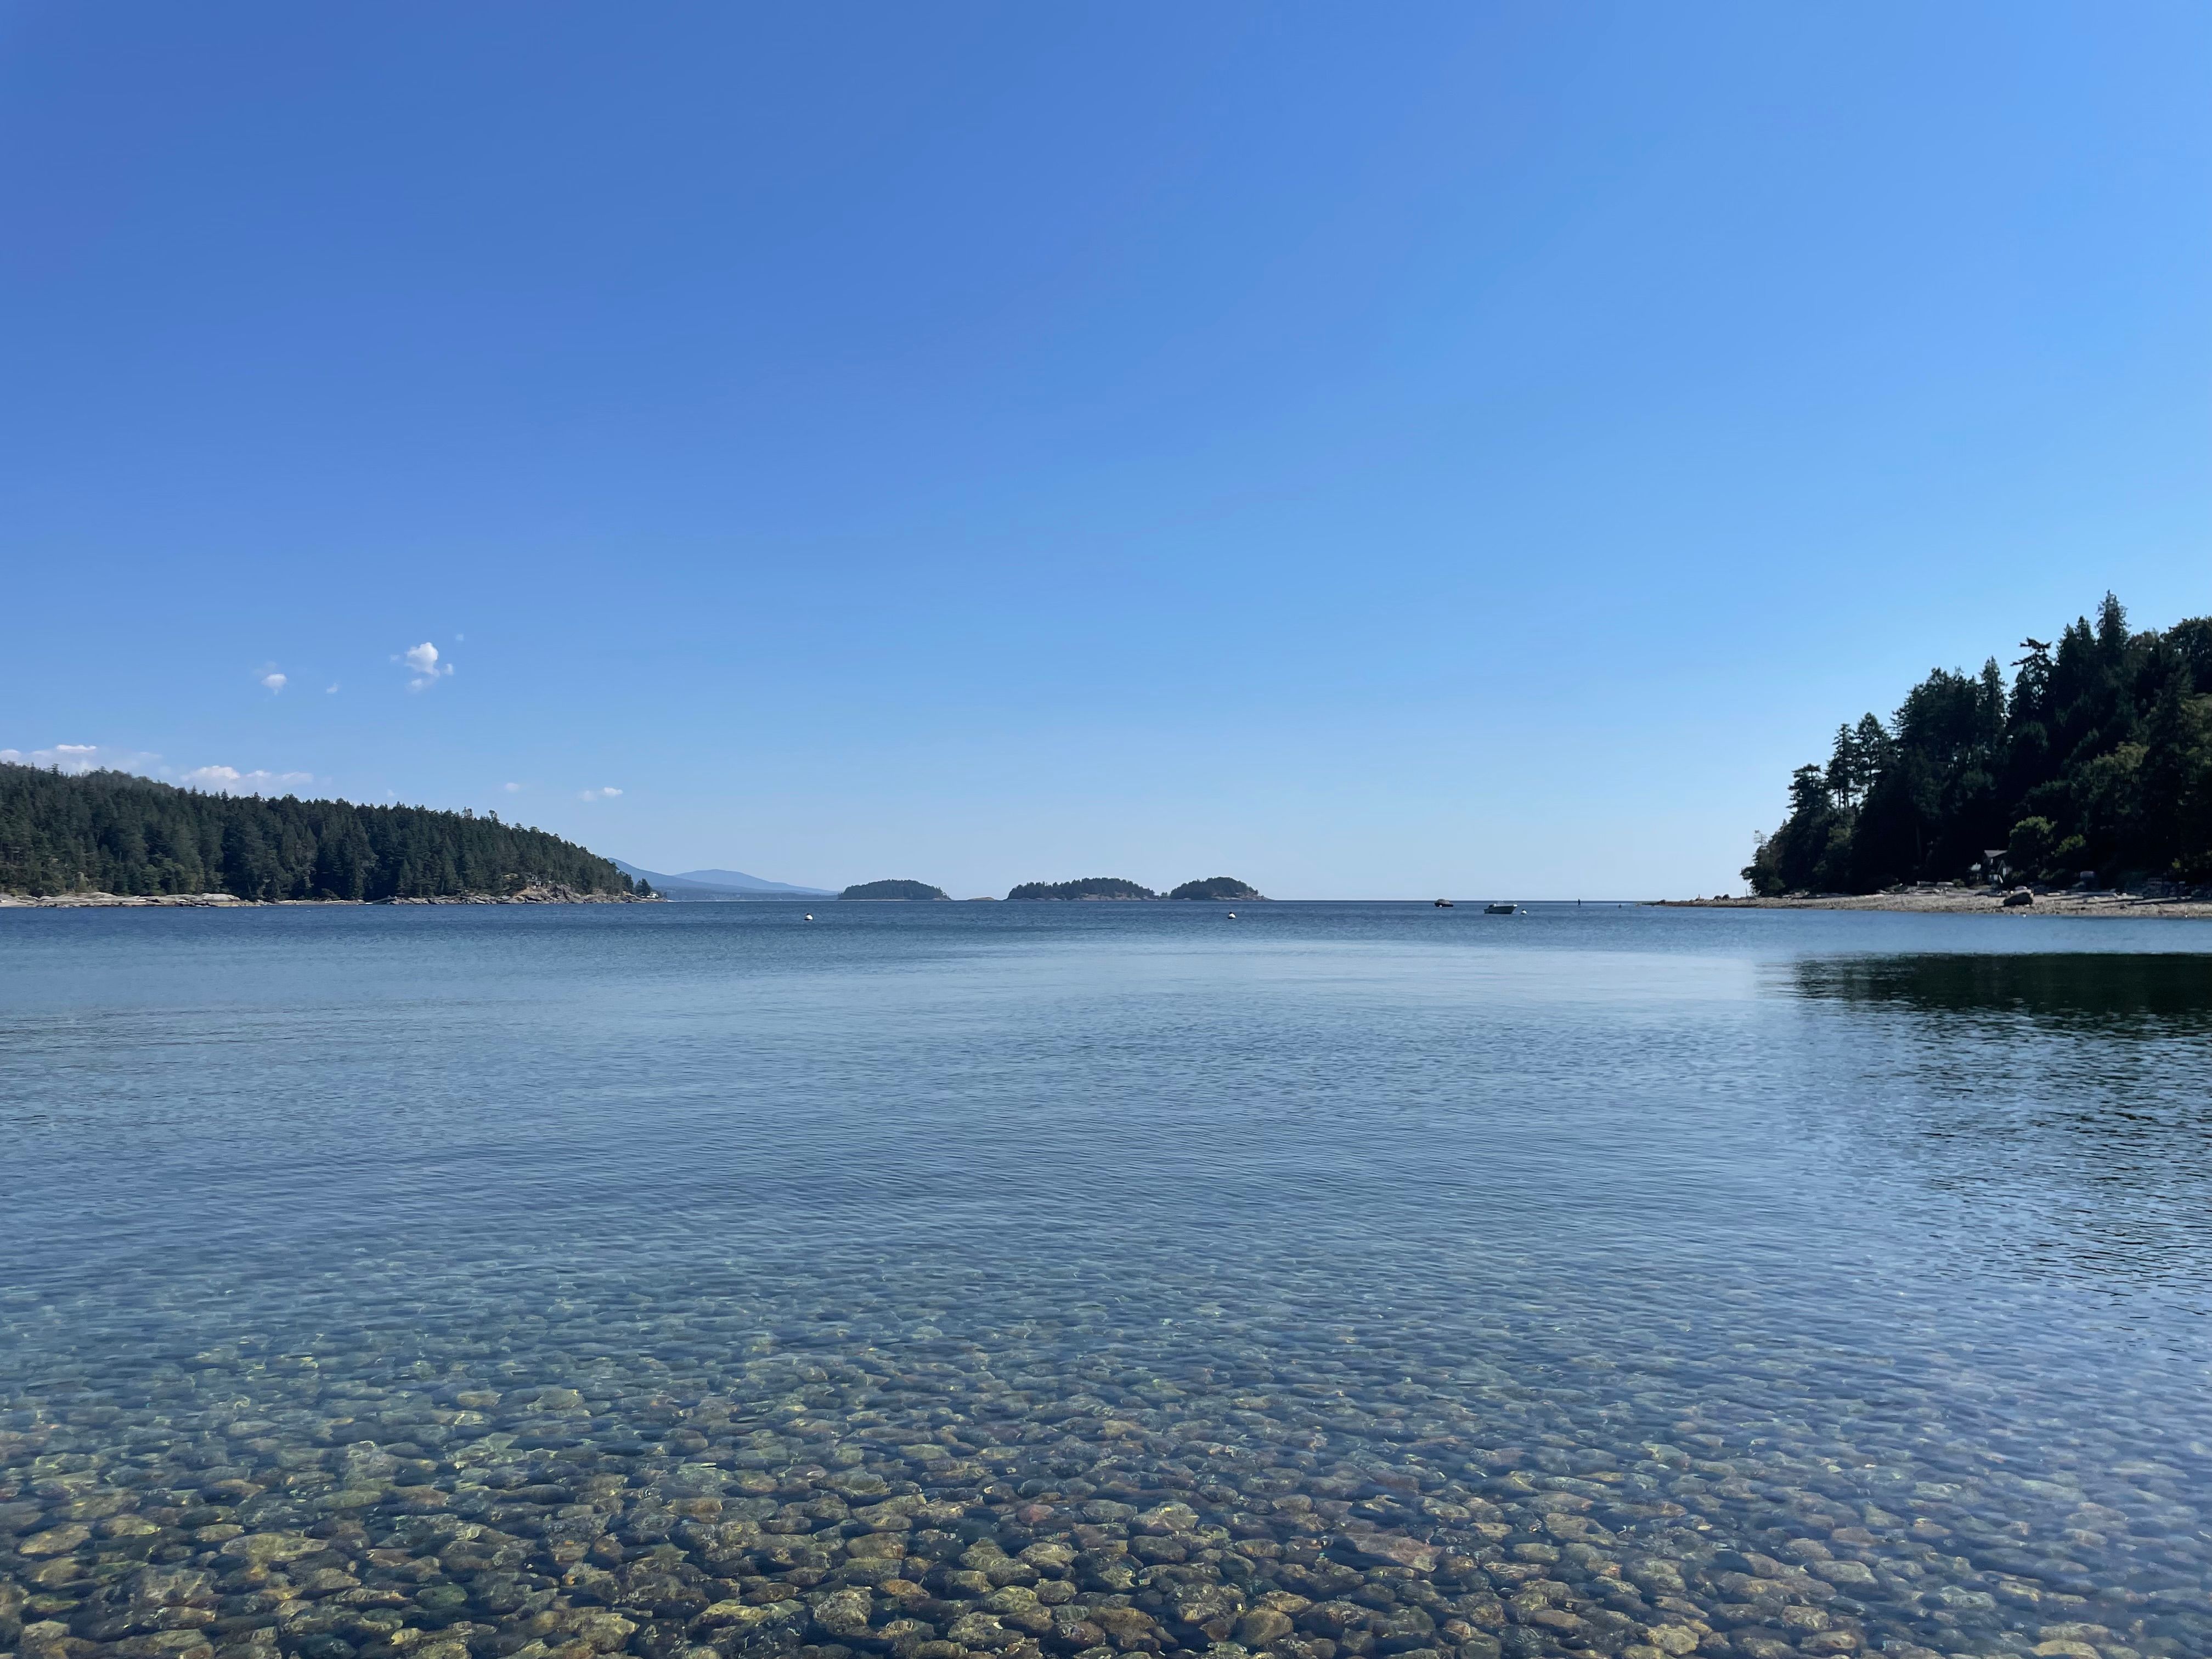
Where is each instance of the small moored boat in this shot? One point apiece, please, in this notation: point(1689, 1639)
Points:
point(1443, 904)
point(1500, 909)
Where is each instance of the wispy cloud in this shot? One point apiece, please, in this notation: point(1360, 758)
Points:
point(274, 681)
point(331, 689)
point(607, 794)
point(422, 660)
point(229, 781)
point(84, 757)
point(79, 758)
point(511, 788)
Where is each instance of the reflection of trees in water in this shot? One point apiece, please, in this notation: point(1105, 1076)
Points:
point(2062, 1101)
point(2084, 992)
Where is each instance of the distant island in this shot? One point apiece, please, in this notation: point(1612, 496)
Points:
point(1113, 887)
point(2095, 764)
point(109, 837)
point(894, 889)
point(115, 832)
point(1088, 887)
point(1216, 887)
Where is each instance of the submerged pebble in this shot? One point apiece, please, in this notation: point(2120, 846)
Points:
point(842, 1476)
point(544, 1332)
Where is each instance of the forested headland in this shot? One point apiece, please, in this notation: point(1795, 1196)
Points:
point(2096, 757)
point(115, 832)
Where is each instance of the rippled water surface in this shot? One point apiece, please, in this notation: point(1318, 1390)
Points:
point(1085, 1279)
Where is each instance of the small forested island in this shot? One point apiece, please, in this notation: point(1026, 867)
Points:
point(2095, 761)
point(1216, 887)
point(894, 889)
point(115, 832)
point(1088, 887)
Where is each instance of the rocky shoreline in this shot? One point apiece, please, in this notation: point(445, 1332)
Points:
point(1960, 901)
point(549, 894)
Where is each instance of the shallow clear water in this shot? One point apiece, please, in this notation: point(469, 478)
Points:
point(1343, 1279)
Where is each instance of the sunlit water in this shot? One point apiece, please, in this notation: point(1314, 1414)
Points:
point(1339, 1281)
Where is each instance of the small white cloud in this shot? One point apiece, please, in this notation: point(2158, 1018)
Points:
point(511, 788)
point(608, 793)
point(83, 757)
point(75, 757)
point(274, 681)
point(229, 781)
point(331, 689)
point(423, 660)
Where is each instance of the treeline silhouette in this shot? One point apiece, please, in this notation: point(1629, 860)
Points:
point(893, 889)
point(117, 833)
point(2096, 759)
point(1084, 887)
point(1113, 887)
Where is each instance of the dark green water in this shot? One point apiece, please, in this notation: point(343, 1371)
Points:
point(1344, 1279)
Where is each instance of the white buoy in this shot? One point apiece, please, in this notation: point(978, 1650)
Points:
point(810, 915)
point(1232, 915)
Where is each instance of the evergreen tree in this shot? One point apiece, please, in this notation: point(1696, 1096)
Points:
point(117, 833)
point(2098, 757)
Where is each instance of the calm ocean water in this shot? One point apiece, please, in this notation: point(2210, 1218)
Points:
point(1342, 1280)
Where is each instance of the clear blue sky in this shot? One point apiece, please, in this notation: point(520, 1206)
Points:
point(1366, 450)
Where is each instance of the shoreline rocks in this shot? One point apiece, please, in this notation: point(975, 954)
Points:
point(96, 900)
point(1962, 901)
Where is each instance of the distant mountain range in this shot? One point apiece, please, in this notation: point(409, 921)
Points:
point(718, 884)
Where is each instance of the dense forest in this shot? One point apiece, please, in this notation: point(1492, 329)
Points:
point(117, 833)
point(1086, 887)
point(893, 889)
point(1216, 887)
point(2096, 759)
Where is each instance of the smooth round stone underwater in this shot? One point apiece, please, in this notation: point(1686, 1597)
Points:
point(1093, 1279)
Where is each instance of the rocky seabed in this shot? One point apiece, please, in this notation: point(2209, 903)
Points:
point(566, 1481)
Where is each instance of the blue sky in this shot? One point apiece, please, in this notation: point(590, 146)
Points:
point(1369, 451)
